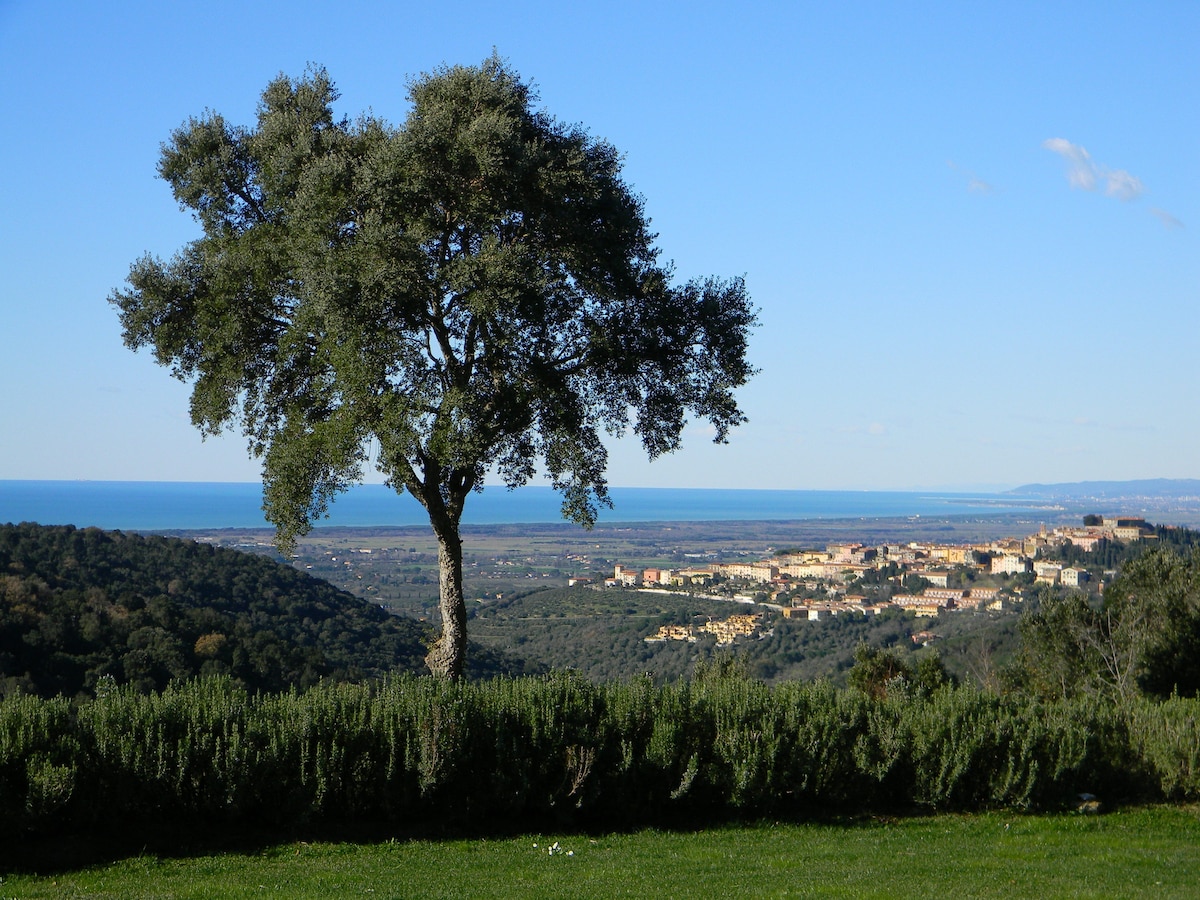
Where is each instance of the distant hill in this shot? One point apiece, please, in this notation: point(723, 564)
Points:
point(79, 605)
point(1158, 488)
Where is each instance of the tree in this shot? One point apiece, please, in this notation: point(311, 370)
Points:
point(1070, 647)
point(1156, 598)
point(876, 670)
point(1143, 638)
point(476, 289)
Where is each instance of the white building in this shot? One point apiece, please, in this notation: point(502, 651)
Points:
point(1008, 564)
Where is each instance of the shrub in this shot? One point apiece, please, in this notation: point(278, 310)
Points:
point(1168, 743)
point(39, 758)
point(549, 750)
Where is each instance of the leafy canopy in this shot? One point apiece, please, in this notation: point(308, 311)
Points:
point(1144, 638)
point(474, 288)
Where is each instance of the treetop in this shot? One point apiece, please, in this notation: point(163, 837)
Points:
point(475, 289)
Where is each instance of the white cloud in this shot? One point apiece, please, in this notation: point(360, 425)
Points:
point(1086, 175)
point(1081, 172)
point(1122, 185)
point(975, 184)
point(1168, 220)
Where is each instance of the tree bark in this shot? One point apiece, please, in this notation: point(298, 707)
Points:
point(447, 657)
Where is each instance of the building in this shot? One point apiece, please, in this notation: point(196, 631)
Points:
point(692, 576)
point(803, 569)
point(949, 595)
point(673, 633)
point(1084, 539)
point(732, 628)
point(1073, 577)
point(1047, 572)
point(1007, 564)
point(937, 577)
point(626, 577)
point(762, 572)
point(656, 576)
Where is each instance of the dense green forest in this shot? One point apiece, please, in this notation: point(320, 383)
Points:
point(81, 605)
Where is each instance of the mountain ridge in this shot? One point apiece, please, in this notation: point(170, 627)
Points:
point(1174, 488)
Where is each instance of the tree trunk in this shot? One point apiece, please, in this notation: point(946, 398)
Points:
point(447, 657)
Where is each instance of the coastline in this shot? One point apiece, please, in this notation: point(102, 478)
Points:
point(154, 506)
point(192, 506)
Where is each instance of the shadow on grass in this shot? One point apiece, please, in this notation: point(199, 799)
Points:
point(49, 855)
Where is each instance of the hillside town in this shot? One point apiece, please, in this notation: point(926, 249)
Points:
point(922, 578)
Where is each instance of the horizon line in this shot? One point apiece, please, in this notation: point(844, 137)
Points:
point(957, 489)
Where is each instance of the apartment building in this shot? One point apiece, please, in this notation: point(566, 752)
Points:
point(1007, 564)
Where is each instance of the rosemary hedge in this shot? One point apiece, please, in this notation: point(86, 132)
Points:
point(427, 753)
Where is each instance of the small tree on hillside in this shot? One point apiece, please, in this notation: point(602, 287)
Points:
point(474, 289)
point(1143, 637)
point(876, 671)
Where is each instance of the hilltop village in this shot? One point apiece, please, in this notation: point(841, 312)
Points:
point(925, 579)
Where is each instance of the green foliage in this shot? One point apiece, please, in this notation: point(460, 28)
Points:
point(1166, 741)
point(475, 288)
point(81, 606)
point(39, 756)
point(1058, 654)
point(527, 752)
point(1144, 637)
point(1156, 600)
point(182, 752)
point(974, 750)
point(602, 635)
point(876, 671)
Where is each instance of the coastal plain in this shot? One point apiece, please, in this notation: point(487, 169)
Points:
point(397, 567)
point(516, 579)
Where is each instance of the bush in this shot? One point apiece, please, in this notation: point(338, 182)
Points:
point(1168, 745)
point(39, 755)
point(550, 750)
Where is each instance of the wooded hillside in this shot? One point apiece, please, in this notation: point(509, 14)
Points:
point(79, 605)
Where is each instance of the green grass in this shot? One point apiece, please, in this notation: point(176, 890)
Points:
point(1152, 852)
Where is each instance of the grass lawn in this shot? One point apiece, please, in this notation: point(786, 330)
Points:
point(1150, 852)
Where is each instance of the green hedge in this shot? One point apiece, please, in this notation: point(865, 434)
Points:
point(530, 752)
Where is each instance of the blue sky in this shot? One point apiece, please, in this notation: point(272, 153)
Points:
point(971, 229)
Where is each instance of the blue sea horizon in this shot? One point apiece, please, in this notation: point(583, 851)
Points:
point(170, 506)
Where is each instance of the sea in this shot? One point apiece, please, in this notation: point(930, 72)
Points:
point(187, 506)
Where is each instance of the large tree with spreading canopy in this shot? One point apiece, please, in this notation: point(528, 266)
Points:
point(475, 290)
